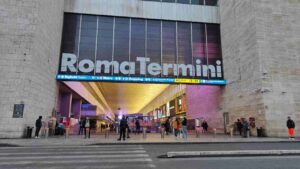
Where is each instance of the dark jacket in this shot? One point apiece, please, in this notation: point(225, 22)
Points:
point(239, 125)
point(137, 124)
point(204, 125)
point(290, 124)
point(184, 122)
point(38, 123)
point(123, 123)
point(167, 124)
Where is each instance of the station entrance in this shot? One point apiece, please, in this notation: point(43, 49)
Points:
point(151, 71)
point(147, 107)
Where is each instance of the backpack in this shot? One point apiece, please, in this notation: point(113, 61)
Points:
point(87, 124)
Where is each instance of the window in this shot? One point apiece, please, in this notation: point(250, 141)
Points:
point(169, 43)
point(124, 39)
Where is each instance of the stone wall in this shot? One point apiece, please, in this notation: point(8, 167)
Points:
point(242, 97)
point(261, 51)
point(278, 38)
point(30, 38)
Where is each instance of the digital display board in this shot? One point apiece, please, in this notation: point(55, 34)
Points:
point(62, 77)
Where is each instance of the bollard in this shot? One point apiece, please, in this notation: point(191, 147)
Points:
point(107, 133)
point(162, 133)
point(231, 132)
point(66, 133)
point(46, 133)
point(144, 133)
point(198, 132)
point(215, 132)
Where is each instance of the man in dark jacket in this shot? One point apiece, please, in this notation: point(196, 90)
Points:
point(291, 126)
point(123, 126)
point(239, 126)
point(137, 126)
point(245, 128)
point(38, 125)
point(167, 126)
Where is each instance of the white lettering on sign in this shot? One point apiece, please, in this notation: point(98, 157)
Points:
point(69, 64)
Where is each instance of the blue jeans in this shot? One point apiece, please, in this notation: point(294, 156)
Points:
point(175, 132)
point(184, 132)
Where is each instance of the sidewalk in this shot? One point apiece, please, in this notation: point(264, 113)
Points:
point(76, 140)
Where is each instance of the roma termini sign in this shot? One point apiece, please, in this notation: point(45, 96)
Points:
point(104, 48)
point(72, 69)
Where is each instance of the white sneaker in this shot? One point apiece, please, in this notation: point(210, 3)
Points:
point(35, 137)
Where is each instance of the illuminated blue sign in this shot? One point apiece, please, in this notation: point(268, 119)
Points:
point(62, 77)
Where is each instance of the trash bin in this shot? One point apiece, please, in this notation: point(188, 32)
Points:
point(260, 132)
point(29, 132)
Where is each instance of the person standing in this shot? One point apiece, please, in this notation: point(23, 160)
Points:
point(123, 126)
point(81, 126)
point(167, 126)
point(127, 128)
point(137, 126)
point(38, 125)
point(291, 126)
point(184, 128)
point(87, 126)
point(239, 126)
point(175, 127)
point(204, 125)
point(245, 128)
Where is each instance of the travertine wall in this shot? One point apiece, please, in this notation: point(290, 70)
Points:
point(261, 52)
point(278, 39)
point(30, 36)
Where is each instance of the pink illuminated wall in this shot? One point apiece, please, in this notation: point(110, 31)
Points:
point(203, 102)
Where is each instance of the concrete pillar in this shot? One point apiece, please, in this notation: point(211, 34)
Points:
point(65, 104)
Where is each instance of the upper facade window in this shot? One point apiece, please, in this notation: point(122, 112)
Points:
point(194, 2)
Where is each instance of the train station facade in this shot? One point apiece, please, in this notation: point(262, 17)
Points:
point(202, 59)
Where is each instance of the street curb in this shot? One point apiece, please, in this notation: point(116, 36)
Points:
point(239, 153)
point(8, 145)
point(182, 143)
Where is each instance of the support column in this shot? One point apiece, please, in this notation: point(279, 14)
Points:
point(65, 104)
point(76, 108)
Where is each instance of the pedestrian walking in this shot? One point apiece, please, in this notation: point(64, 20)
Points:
point(291, 126)
point(123, 125)
point(245, 128)
point(167, 126)
point(38, 125)
point(81, 126)
point(184, 128)
point(239, 126)
point(127, 128)
point(176, 127)
point(204, 125)
point(137, 126)
point(87, 126)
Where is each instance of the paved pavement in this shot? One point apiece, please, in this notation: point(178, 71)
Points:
point(141, 156)
point(79, 157)
point(135, 139)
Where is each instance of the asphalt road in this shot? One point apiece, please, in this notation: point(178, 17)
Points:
point(142, 156)
point(269, 162)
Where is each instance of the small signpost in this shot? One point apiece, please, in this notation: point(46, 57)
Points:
point(18, 111)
